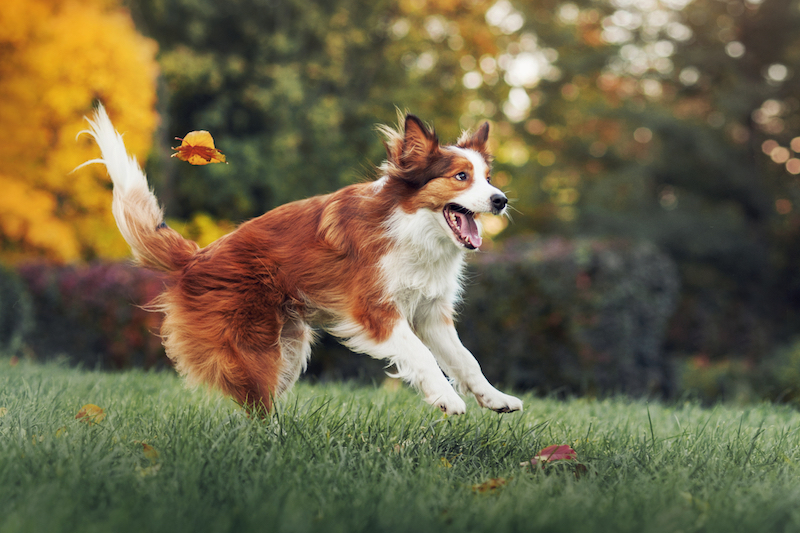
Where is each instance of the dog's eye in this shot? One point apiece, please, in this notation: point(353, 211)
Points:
point(461, 176)
point(488, 179)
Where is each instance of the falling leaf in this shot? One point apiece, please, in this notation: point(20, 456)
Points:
point(492, 484)
point(91, 414)
point(197, 148)
point(3, 411)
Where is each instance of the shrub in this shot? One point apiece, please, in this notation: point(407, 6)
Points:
point(583, 316)
point(775, 377)
point(16, 312)
point(91, 314)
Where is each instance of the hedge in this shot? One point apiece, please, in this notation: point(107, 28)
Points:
point(581, 316)
point(92, 315)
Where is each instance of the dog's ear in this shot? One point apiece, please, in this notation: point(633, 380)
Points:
point(419, 144)
point(476, 141)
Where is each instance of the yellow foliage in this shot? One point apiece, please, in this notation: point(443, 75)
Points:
point(57, 57)
point(203, 229)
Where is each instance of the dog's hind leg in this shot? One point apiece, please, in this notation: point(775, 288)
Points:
point(295, 344)
point(241, 359)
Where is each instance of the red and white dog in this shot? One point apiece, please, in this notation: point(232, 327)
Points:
point(376, 264)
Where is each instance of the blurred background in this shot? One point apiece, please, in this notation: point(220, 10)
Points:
point(651, 149)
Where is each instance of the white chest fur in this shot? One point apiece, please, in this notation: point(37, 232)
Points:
point(424, 266)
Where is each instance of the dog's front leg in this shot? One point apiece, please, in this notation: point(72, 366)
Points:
point(439, 334)
point(414, 361)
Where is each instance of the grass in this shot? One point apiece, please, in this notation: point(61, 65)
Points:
point(348, 458)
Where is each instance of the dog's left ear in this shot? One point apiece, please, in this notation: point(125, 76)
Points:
point(476, 141)
point(419, 144)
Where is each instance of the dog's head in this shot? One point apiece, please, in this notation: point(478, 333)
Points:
point(453, 180)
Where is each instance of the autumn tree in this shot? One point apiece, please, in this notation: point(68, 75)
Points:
point(57, 57)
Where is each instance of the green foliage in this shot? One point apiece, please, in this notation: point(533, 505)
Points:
point(609, 119)
point(291, 90)
point(577, 316)
point(16, 312)
point(343, 458)
point(774, 378)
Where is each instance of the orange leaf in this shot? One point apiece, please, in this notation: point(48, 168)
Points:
point(91, 414)
point(492, 484)
point(150, 452)
point(197, 148)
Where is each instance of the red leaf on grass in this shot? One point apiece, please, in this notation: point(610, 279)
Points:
point(554, 453)
point(558, 453)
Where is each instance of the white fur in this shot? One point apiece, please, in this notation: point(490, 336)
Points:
point(295, 342)
point(131, 191)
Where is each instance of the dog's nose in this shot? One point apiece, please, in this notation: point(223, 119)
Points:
point(499, 202)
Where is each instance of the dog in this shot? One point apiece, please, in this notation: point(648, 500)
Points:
point(378, 264)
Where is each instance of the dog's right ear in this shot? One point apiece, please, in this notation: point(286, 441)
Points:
point(419, 145)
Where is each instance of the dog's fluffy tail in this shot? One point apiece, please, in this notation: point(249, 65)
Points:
point(139, 217)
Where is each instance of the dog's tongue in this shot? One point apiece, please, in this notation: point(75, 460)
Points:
point(469, 230)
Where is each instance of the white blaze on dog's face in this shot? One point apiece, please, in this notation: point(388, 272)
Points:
point(480, 197)
point(453, 181)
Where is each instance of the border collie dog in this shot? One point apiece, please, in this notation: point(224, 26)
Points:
point(378, 265)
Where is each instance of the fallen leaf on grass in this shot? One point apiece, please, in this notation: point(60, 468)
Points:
point(61, 432)
point(554, 453)
point(3, 411)
point(445, 463)
point(14, 361)
point(557, 453)
point(149, 452)
point(197, 148)
point(490, 485)
point(91, 414)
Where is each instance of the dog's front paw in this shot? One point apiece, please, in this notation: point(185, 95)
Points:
point(497, 401)
point(450, 403)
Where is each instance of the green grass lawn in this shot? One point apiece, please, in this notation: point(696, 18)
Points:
point(352, 458)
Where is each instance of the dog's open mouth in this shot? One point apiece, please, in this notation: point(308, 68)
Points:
point(462, 221)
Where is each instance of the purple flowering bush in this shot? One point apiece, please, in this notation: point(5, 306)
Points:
point(92, 314)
